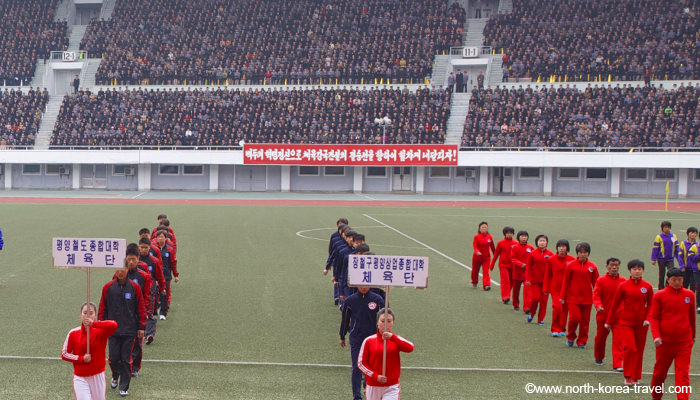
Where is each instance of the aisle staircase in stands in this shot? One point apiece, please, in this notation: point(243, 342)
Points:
point(48, 121)
point(107, 9)
point(439, 76)
point(458, 116)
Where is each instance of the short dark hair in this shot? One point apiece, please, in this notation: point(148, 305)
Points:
point(383, 311)
point(508, 229)
point(350, 233)
point(635, 263)
point(360, 236)
point(362, 248)
point(522, 233)
point(341, 227)
point(145, 241)
point(583, 247)
point(165, 222)
point(162, 216)
point(665, 223)
point(674, 272)
point(145, 231)
point(691, 229)
point(162, 232)
point(132, 249)
point(540, 236)
point(341, 221)
point(482, 223)
point(612, 259)
point(564, 242)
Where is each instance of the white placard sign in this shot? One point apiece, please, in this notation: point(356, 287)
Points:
point(376, 270)
point(88, 252)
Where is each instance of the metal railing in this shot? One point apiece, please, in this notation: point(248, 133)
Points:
point(68, 56)
point(456, 52)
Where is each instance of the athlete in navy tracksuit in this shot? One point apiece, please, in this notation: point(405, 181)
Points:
point(360, 316)
point(152, 266)
point(336, 238)
point(167, 257)
point(123, 302)
point(340, 261)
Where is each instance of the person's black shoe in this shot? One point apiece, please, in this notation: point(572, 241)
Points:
point(487, 288)
point(516, 308)
point(149, 339)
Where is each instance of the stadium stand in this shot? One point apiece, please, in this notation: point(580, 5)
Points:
point(602, 40)
point(142, 117)
point(20, 115)
point(27, 33)
point(599, 116)
point(294, 41)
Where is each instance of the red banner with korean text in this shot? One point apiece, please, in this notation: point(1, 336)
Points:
point(341, 154)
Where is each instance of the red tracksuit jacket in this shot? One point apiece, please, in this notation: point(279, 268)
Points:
point(484, 245)
point(537, 265)
point(75, 347)
point(632, 303)
point(672, 315)
point(604, 292)
point(503, 249)
point(579, 280)
point(554, 276)
point(370, 359)
point(519, 255)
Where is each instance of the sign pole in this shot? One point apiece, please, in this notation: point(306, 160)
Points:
point(87, 328)
point(386, 315)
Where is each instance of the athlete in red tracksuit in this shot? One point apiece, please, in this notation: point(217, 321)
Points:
point(553, 278)
point(580, 276)
point(505, 265)
point(483, 248)
point(519, 253)
point(88, 368)
point(672, 320)
point(383, 385)
point(603, 296)
point(536, 268)
point(630, 311)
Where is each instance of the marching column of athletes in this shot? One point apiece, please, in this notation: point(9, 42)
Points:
point(364, 317)
point(131, 304)
point(625, 308)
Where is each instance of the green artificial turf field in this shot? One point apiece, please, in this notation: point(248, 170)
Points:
point(252, 316)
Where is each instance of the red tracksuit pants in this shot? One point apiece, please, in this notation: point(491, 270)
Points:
point(537, 299)
point(477, 264)
point(517, 283)
point(579, 317)
point(506, 281)
point(601, 338)
point(679, 354)
point(558, 314)
point(633, 340)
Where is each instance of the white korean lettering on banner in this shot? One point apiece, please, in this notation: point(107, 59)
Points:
point(375, 270)
point(89, 252)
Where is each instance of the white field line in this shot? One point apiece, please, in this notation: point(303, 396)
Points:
point(313, 365)
point(493, 282)
point(138, 195)
point(517, 216)
point(301, 235)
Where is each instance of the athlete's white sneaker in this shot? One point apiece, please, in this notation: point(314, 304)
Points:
point(123, 393)
point(162, 317)
point(114, 383)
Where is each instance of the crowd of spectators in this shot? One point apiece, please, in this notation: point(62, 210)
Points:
point(143, 117)
point(27, 33)
point(251, 41)
point(584, 40)
point(20, 116)
point(599, 116)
